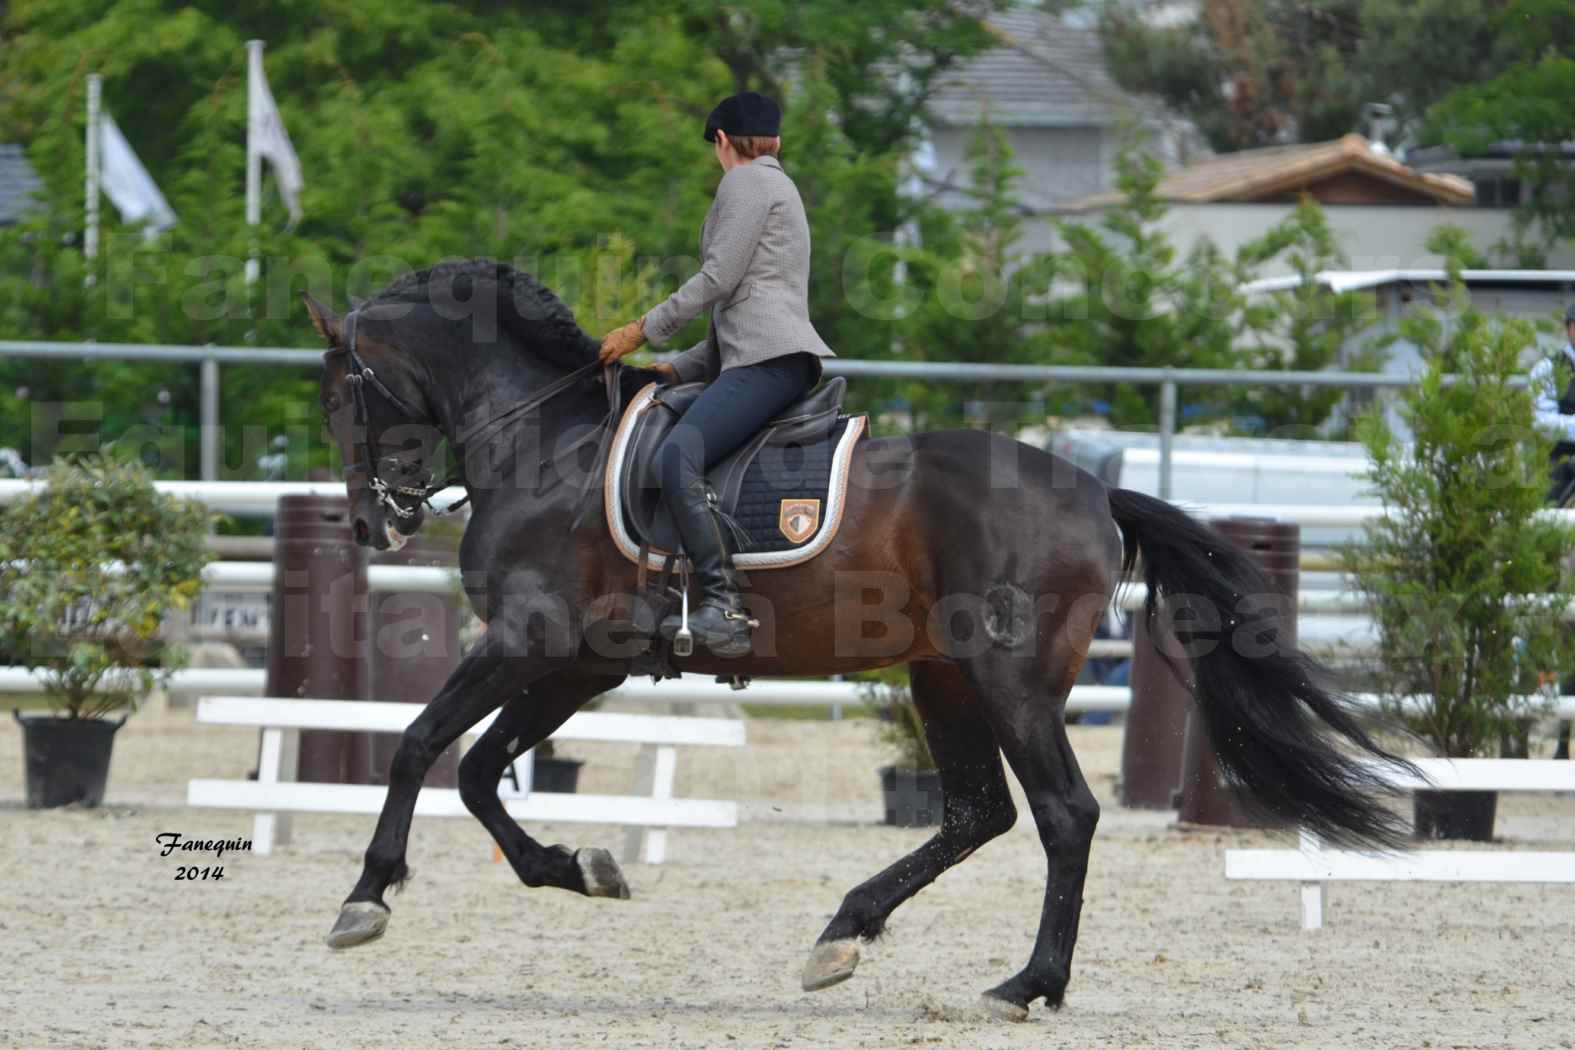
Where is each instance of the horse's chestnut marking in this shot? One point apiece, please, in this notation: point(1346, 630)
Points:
point(1008, 614)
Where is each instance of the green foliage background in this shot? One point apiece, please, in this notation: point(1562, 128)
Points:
point(565, 138)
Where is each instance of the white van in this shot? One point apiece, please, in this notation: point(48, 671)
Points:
point(1228, 470)
point(1243, 470)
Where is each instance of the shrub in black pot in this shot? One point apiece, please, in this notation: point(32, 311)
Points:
point(913, 797)
point(1464, 573)
point(552, 773)
point(90, 565)
point(911, 785)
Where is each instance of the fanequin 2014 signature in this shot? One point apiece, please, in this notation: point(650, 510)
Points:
point(171, 841)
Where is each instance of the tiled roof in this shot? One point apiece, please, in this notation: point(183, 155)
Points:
point(1255, 174)
point(18, 183)
point(1046, 73)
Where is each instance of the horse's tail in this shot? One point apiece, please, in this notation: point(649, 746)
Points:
point(1266, 714)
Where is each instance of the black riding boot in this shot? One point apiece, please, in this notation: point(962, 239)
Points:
point(720, 623)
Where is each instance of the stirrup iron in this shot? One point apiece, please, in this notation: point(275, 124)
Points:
point(684, 640)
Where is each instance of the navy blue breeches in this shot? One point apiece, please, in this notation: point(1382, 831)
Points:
point(729, 412)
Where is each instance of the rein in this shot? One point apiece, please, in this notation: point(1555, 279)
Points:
point(361, 374)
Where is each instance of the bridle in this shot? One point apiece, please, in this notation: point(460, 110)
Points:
point(364, 461)
point(359, 374)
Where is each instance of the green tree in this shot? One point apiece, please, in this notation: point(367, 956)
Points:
point(1465, 73)
point(849, 195)
point(1129, 301)
point(1463, 572)
point(1260, 72)
point(425, 131)
point(972, 294)
point(1528, 104)
point(1306, 328)
point(1127, 298)
point(1246, 72)
point(880, 58)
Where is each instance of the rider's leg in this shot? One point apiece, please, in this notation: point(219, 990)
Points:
point(725, 415)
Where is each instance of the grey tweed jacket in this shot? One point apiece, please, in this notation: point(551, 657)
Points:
point(754, 278)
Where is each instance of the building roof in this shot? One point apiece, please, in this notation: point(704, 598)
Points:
point(1356, 280)
point(18, 183)
point(1046, 73)
point(1258, 175)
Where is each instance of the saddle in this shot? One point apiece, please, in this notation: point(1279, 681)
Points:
point(783, 492)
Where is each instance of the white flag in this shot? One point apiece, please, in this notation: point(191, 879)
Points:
point(265, 134)
point(126, 182)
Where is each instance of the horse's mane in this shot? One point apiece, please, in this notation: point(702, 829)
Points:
point(526, 308)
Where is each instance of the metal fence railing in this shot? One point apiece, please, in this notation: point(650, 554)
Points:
point(1169, 380)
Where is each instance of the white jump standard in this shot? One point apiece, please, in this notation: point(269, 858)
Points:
point(646, 814)
point(1312, 865)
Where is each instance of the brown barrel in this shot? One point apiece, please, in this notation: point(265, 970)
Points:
point(317, 641)
point(414, 649)
point(1205, 796)
point(1156, 719)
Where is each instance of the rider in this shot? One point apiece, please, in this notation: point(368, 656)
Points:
point(1553, 386)
point(760, 353)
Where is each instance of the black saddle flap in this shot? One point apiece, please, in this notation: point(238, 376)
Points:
point(809, 421)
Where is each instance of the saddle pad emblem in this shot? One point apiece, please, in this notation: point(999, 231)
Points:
point(797, 519)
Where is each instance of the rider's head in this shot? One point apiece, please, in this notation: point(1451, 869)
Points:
point(743, 127)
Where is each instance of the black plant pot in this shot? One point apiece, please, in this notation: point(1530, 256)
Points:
point(558, 775)
point(1465, 815)
point(67, 759)
point(913, 797)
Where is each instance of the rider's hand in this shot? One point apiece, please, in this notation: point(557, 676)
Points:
point(621, 341)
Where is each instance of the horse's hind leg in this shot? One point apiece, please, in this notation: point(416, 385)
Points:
point(523, 723)
point(1026, 702)
point(978, 808)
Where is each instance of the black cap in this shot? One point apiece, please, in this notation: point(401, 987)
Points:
point(747, 113)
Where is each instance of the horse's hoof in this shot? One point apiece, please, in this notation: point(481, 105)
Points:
point(358, 922)
point(831, 962)
point(601, 874)
point(1001, 1010)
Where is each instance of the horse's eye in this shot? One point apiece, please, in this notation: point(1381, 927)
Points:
point(331, 403)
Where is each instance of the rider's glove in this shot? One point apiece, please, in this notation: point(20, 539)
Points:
point(622, 341)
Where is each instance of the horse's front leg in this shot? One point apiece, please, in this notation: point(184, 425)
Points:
point(524, 722)
point(493, 672)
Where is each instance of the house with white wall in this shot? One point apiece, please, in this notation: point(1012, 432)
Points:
point(19, 184)
point(1046, 87)
point(1381, 210)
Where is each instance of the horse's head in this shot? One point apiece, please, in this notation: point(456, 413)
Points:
point(373, 398)
point(473, 349)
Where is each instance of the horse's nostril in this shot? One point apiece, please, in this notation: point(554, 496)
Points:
point(363, 531)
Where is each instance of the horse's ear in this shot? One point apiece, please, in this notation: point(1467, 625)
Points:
point(324, 320)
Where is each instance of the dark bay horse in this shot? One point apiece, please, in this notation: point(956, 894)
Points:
point(981, 563)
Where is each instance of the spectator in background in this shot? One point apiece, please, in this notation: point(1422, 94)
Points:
point(1553, 387)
